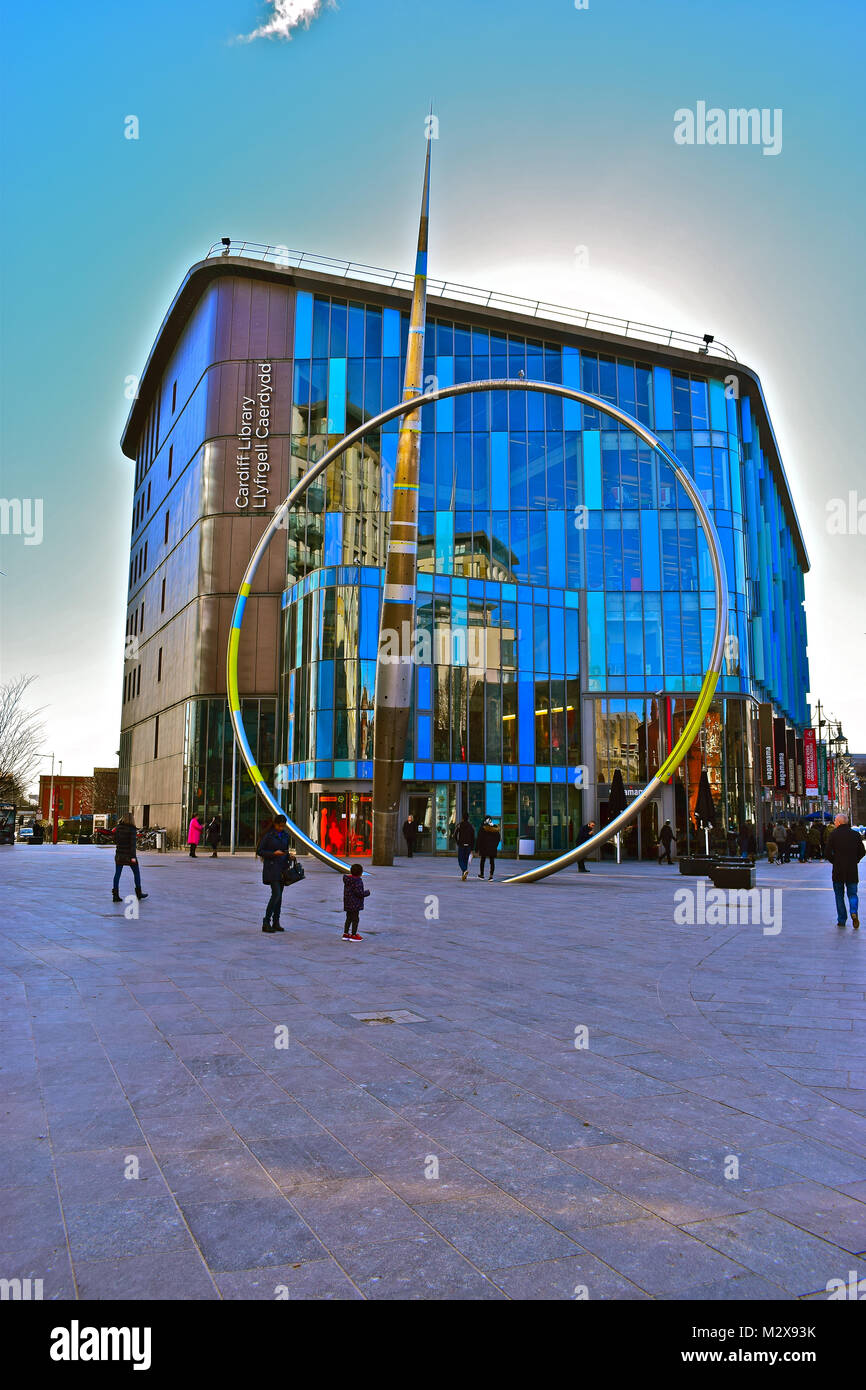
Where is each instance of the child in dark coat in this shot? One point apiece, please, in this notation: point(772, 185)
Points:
point(354, 894)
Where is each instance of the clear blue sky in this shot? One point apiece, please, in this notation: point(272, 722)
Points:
point(556, 131)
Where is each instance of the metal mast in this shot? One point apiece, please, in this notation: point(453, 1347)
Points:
point(394, 668)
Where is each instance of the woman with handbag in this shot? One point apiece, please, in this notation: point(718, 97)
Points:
point(126, 855)
point(279, 868)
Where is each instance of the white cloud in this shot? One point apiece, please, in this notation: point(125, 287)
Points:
point(288, 14)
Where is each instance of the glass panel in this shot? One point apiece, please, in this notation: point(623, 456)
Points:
point(458, 713)
point(509, 719)
point(476, 716)
point(493, 708)
point(542, 722)
point(441, 713)
point(509, 817)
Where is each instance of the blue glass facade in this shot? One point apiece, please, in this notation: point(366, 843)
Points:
point(565, 602)
point(549, 529)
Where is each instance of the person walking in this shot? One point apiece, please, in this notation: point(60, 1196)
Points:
point(465, 837)
point(273, 850)
point(770, 842)
point(194, 835)
point(802, 834)
point(844, 849)
point(823, 832)
point(586, 832)
point(354, 894)
point(793, 842)
point(487, 845)
point(780, 835)
point(410, 834)
point(666, 839)
point(212, 835)
point(126, 853)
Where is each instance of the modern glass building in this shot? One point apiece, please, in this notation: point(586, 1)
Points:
point(565, 601)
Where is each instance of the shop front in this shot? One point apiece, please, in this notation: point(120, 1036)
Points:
point(535, 818)
point(343, 822)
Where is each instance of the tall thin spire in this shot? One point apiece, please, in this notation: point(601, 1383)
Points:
point(394, 663)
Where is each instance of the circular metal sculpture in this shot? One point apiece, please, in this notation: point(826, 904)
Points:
point(705, 694)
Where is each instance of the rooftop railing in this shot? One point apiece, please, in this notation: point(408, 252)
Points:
point(469, 294)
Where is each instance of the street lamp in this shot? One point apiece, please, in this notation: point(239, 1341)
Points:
point(53, 806)
point(835, 742)
point(51, 793)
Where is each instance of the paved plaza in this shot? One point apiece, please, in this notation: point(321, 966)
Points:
point(578, 1096)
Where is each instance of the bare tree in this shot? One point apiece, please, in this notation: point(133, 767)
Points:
point(21, 736)
point(104, 790)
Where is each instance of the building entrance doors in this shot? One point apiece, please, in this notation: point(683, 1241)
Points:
point(346, 823)
point(420, 807)
point(446, 815)
point(638, 840)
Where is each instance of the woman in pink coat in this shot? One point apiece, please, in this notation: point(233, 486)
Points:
point(194, 836)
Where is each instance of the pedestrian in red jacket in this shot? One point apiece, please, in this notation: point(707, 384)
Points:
point(194, 836)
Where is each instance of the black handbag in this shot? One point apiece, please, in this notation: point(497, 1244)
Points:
point(292, 873)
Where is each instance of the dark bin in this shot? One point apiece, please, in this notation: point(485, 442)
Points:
point(695, 866)
point(733, 875)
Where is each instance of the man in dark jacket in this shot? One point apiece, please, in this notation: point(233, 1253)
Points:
point(487, 845)
point(126, 853)
point(465, 837)
point(666, 839)
point(586, 831)
point(212, 834)
point(410, 834)
point(844, 849)
point(273, 851)
point(802, 834)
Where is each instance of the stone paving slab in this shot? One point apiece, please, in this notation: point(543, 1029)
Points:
point(165, 1277)
point(191, 1110)
point(774, 1248)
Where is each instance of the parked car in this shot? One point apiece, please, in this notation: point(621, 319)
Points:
point(7, 822)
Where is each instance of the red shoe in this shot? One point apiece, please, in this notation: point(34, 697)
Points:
point(355, 937)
